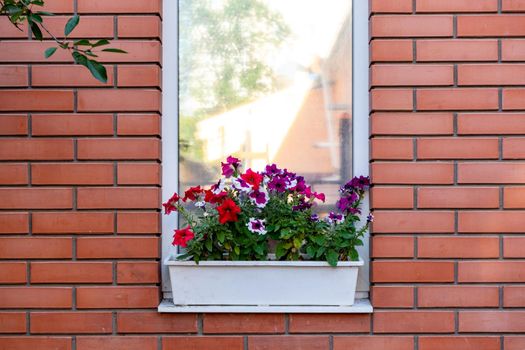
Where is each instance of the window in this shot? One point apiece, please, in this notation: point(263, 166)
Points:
point(268, 81)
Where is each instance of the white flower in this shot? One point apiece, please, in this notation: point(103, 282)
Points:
point(257, 226)
point(200, 204)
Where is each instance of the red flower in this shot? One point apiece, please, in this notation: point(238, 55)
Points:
point(171, 204)
point(228, 211)
point(213, 198)
point(181, 237)
point(253, 178)
point(192, 193)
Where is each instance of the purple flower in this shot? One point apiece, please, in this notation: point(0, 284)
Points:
point(314, 217)
point(256, 226)
point(335, 218)
point(278, 184)
point(272, 170)
point(230, 167)
point(303, 205)
point(361, 183)
point(241, 185)
point(259, 198)
point(301, 184)
point(370, 218)
point(345, 204)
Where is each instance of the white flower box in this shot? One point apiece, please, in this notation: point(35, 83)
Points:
point(263, 283)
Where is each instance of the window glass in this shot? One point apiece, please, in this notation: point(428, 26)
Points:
point(267, 81)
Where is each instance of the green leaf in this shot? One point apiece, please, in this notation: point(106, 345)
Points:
point(114, 50)
point(13, 10)
point(101, 43)
point(332, 257)
point(44, 13)
point(37, 33)
point(310, 251)
point(281, 249)
point(237, 250)
point(49, 52)
point(82, 42)
point(71, 24)
point(79, 58)
point(35, 18)
point(89, 53)
point(220, 236)
point(209, 245)
point(97, 70)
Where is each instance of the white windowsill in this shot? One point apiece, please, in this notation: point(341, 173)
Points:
point(361, 306)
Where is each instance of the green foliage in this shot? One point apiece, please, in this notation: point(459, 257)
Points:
point(21, 11)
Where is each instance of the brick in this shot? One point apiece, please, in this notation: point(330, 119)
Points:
point(117, 343)
point(14, 223)
point(457, 6)
point(513, 296)
point(243, 323)
point(491, 25)
point(66, 75)
point(392, 99)
point(71, 322)
point(12, 124)
point(305, 342)
point(138, 124)
point(412, 173)
point(138, 174)
point(513, 197)
point(392, 197)
point(459, 342)
point(118, 198)
point(117, 297)
point(456, 50)
point(36, 198)
point(512, 50)
point(59, 6)
point(491, 321)
point(411, 124)
point(71, 272)
point(393, 247)
point(412, 75)
point(331, 323)
point(514, 342)
point(413, 221)
point(36, 100)
point(73, 222)
point(13, 174)
point(457, 99)
point(23, 51)
point(32, 342)
point(36, 149)
point(392, 296)
point(491, 271)
point(13, 76)
point(513, 148)
point(514, 247)
point(139, 75)
point(139, 27)
point(458, 197)
point(203, 343)
point(137, 272)
point(132, 6)
point(72, 124)
point(513, 99)
point(391, 51)
point(8, 30)
point(138, 222)
point(458, 296)
point(491, 123)
point(491, 221)
point(411, 26)
point(491, 74)
point(513, 5)
point(373, 343)
point(36, 297)
point(72, 174)
point(121, 247)
point(491, 173)
point(35, 248)
point(458, 247)
point(121, 148)
point(115, 100)
point(392, 148)
point(154, 322)
point(457, 148)
point(13, 272)
point(388, 6)
point(89, 27)
point(412, 271)
point(12, 322)
point(414, 322)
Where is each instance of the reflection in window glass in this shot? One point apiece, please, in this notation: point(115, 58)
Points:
point(268, 81)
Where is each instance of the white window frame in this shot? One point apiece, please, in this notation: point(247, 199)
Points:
point(170, 152)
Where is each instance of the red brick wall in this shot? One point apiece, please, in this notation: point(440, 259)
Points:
point(79, 190)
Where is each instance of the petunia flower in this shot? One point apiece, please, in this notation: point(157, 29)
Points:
point(171, 204)
point(277, 184)
point(192, 193)
point(241, 185)
point(257, 226)
point(253, 178)
point(335, 218)
point(228, 211)
point(182, 236)
point(230, 167)
point(259, 198)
